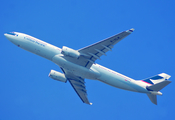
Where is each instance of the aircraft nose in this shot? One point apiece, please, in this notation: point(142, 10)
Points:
point(10, 37)
point(7, 36)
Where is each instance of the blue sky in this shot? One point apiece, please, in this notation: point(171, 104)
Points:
point(27, 93)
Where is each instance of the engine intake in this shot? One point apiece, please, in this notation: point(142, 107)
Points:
point(57, 76)
point(70, 52)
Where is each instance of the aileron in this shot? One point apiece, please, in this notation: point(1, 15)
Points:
point(100, 48)
point(79, 88)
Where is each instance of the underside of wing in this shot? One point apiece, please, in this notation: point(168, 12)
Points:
point(79, 86)
point(95, 51)
point(88, 55)
point(80, 89)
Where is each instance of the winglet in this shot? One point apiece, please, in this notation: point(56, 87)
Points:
point(130, 30)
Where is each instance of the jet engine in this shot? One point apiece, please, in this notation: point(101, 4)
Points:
point(70, 52)
point(57, 76)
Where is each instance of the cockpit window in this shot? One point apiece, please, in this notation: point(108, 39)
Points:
point(12, 33)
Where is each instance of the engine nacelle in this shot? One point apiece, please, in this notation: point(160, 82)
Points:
point(57, 76)
point(70, 52)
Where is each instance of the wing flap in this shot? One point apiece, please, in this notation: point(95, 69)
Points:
point(89, 54)
point(95, 51)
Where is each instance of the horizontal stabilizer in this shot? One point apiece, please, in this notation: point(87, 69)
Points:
point(159, 86)
point(153, 98)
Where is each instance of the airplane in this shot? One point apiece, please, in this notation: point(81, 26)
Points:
point(78, 65)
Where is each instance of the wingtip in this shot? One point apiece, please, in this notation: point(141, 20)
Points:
point(90, 103)
point(130, 30)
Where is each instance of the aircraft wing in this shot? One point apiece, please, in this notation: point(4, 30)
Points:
point(79, 86)
point(80, 89)
point(89, 54)
point(95, 51)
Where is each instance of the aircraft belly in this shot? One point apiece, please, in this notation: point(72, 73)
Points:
point(43, 51)
point(117, 80)
point(75, 69)
point(118, 83)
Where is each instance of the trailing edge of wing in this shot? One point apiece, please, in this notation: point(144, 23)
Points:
point(80, 89)
point(95, 51)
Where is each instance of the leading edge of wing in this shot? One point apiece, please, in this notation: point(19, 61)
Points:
point(80, 89)
point(128, 31)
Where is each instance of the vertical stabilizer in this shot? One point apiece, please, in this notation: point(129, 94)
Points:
point(157, 78)
point(155, 84)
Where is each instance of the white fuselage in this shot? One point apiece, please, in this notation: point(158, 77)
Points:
point(96, 72)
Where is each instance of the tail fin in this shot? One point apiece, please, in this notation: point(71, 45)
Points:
point(157, 83)
point(157, 79)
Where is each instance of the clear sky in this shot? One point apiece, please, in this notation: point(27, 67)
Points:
point(26, 91)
